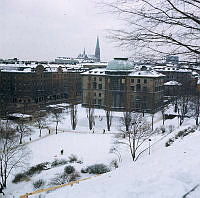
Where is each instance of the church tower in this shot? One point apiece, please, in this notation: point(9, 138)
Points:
point(97, 50)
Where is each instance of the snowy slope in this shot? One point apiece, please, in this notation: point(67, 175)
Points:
point(167, 173)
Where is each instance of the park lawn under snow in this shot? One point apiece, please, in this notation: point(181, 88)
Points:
point(93, 148)
point(166, 173)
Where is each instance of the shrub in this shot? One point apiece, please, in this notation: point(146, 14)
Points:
point(59, 162)
point(39, 183)
point(59, 179)
point(20, 177)
point(73, 158)
point(169, 142)
point(74, 176)
point(97, 169)
point(84, 170)
point(37, 168)
point(69, 169)
point(114, 163)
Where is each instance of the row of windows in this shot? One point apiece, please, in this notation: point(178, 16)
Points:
point(95, 94)
point(99, 101)
point(138, 87)
point(95, 78)
point(95, 86)
point(139, 81)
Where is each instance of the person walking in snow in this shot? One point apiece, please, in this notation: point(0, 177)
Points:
point(61, 152)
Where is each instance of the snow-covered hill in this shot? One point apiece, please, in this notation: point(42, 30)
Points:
point(169, 172)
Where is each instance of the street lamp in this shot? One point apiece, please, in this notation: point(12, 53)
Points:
point(149, 145)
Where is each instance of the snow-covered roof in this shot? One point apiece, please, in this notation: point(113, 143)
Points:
point(173, 69)
point(172, 83)
point(132, 73)
point(98, 71)
point(20, 115)
point(146, 73)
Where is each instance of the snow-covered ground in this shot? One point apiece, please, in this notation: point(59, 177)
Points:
point(166, 173)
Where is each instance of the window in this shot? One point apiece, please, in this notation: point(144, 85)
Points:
point(94, 85)
point(132, 88)
point(99, 94)
point(100, 79)
point(99, 101)
point(138, 87)
point(94, 101)
point(100, 86)
point(138, 80)
point(95, 94)
point(94, 78)
point(145, 81)
point(132, 80)
point(144, 88)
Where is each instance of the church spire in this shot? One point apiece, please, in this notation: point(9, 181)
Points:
point(97, 50)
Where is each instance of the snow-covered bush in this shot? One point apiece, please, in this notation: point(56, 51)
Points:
point(20, 177)
point(114, 163)
point(96, 169)
point(37, 168)
point(69, 169)
point(59, 179)
point(38, 184)
point(180, 134)
point(169, 142)
point(58, 162)
point(73, 158)
point(84, 170)
point(73, 176)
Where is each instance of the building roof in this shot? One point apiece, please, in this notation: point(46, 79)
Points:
point(119, 64)
point(132, 73)
point(172, 83)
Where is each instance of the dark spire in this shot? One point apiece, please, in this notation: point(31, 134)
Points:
point(97, 50)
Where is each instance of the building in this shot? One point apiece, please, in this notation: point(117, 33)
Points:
point(28, 88)
point(120, 86)
point(66, 60)
point(185, 77)
point(90, 58)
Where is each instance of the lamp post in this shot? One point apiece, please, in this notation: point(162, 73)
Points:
point(149, 146)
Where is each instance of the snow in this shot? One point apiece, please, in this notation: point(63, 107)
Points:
point(172, 83)
point(168, 172)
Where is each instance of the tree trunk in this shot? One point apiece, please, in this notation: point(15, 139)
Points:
point(56, 127)
point(40, 132)
point(20, 139)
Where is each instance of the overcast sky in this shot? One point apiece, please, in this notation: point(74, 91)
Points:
point(45, 29)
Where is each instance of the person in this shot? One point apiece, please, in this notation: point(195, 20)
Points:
point(104, 131)
point(49, 131)
point(61, 152)
point(30, 139)
point(1, 189)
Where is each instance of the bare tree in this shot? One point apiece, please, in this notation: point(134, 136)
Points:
point(73, 105)
point(108, 110)
point(159, 26)
point(22, 129)
point(12, 155)
point(40, 121)
point(137, 134)
point(57, 117)
point(90, 106)
point(182, 107)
